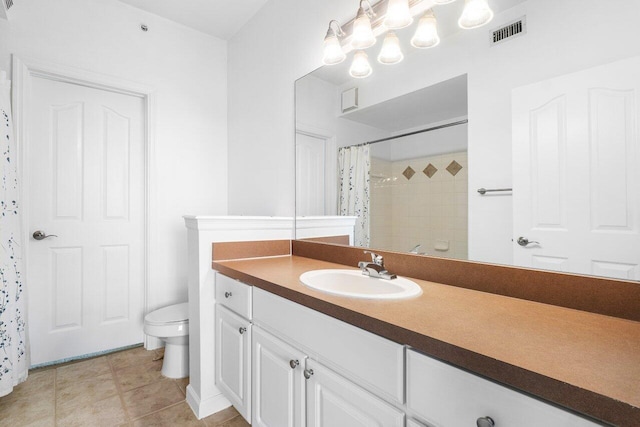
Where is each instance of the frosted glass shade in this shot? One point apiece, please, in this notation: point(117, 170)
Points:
point(390, 52)
point(360, 67)
point(362, 33)
point(398, 15)
point(476, 13)
point(332, 52)
point(426, 35)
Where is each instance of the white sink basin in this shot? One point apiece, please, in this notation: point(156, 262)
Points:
point(354, 284)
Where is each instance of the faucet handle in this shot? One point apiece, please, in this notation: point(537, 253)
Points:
point(375, 258)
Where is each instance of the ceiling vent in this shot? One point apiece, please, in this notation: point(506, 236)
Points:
point(507, 32)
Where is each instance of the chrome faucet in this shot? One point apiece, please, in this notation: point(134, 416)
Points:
point(375, 268)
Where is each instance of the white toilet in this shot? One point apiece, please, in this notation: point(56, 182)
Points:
point(171, 324)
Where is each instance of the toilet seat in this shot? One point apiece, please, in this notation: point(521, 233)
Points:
point(178, 313)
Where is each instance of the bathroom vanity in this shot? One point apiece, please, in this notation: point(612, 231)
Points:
point(288, 355)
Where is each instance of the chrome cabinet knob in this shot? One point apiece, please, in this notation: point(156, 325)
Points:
point(294, 363)
point(485, 422)
point(523, 241)
point(308, 373)
point(242, 330)
point(41, 235)
point(227, 294)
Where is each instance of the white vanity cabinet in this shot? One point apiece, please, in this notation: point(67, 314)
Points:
point(446, 396)
point(334, 401)
point(278, 384)
point(233, 332)
point(312, 370)
point(282, 364)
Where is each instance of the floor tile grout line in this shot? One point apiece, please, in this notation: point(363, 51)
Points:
point(114, 377)
point(55, 397)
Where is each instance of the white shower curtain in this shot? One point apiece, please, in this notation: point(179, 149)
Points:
point(14, 356)
point(354, 163)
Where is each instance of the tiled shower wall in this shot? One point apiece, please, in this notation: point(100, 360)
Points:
point(408, 208)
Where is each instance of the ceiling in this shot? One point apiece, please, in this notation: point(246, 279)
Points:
point(219, 18)
point(433, 104)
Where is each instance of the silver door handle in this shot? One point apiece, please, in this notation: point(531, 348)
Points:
point(40, 235)
point(242, 330)
point(523, 241)
point(307, 373)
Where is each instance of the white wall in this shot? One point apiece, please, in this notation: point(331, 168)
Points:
point(563, 36)
point(188, 71)
point(281, 43)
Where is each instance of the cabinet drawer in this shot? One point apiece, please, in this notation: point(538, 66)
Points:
point(373, 362)
point(445, 396)
point(234, 295)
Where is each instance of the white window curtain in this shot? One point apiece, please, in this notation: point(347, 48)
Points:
point(14, 355)
point(355, 163)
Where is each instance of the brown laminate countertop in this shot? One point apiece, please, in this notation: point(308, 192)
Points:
point(586, 362)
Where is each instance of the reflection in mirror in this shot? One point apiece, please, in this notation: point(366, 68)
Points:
point(553, 114)
point(408, 184)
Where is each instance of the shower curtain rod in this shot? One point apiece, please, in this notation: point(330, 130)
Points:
point(446, 125)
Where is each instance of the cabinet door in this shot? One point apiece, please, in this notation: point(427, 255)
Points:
point(278, 382)
point(334, 401)
point(233, 357)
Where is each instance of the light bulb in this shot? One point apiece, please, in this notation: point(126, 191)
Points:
point(332, 51)
point(443, 1)
point(362, 33)
point(476, 13)
point(360, 67)
point(398, 15)
point(427, 32)
point(390, 52)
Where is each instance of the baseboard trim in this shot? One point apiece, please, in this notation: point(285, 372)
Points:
point(208, 407)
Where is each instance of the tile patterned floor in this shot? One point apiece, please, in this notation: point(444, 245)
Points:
point(119, 389)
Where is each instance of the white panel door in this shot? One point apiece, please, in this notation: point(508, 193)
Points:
point(278, 384)
point(84, 183)
point(233, 359)
point(576, 184)
point(310, 171)
point(334, 401)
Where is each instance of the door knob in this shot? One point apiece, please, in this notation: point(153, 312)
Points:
point(485, 422)
point(523, 241)
point(294, 363)
point(242, 330)
point(40, 235)
point(307, 373)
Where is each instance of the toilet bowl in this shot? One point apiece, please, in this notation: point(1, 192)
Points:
point(171, 325)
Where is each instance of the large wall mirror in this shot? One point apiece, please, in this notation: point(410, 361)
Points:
point(550, 118)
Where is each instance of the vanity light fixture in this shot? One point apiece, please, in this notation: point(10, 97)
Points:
point(398, 15)
point(332, 52)
point(426, 35)
point(390, 52)
point(476, 13)
point(360, 67)
point(361, 32)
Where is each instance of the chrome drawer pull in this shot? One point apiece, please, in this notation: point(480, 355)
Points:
point(242, 330)
point(308, 373)
point(227, 294)
point(294, 363)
